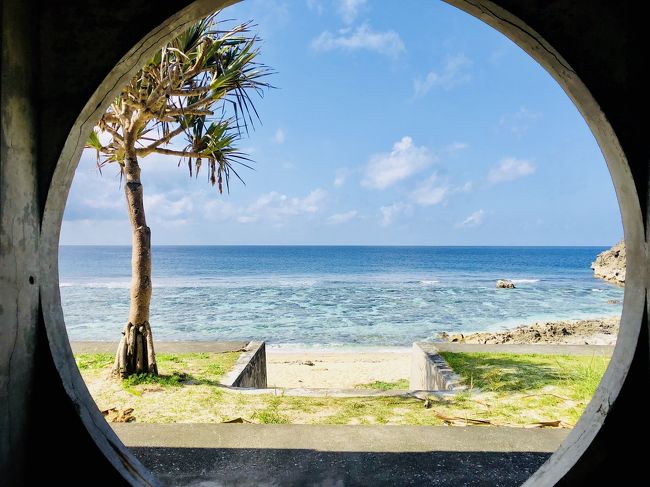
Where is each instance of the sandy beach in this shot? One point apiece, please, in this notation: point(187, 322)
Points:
point(353, 368)
point(346, 369)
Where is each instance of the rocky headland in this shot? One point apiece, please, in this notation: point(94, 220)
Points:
point(610, 264)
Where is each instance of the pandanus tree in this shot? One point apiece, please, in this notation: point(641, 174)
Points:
point(191, 101)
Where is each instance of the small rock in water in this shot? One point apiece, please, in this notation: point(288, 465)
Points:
point(505, 284)
point(614, 301)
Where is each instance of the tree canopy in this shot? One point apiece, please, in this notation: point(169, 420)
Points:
point(196, 87)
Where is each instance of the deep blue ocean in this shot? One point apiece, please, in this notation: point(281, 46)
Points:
point(331, 296)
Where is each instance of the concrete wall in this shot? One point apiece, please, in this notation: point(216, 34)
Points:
point(250, 369)
point(431, 372)
point(62, 62)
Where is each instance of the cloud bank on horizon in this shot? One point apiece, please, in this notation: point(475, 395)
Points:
point(389, 127)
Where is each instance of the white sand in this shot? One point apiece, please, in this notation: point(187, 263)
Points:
point(335, 369)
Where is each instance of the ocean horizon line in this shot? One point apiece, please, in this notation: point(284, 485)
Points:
point(357, 246)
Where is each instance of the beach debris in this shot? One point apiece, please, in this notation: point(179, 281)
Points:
point(505, 284)
point(614, 301)
point(428, 403)
point(548, 424)
point(460, 421)
point(308, 362)
point(237, 420)
point(115, 415)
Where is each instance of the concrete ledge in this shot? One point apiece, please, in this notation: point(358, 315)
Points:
point(255, 455)
point(334, 392)
point(344, 438)
point(430, 372)
point(250, 369)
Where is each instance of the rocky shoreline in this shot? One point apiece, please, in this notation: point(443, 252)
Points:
point(597, 331)
point(610, 264)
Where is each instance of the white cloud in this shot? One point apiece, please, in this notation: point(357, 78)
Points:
point(391, 212)
point(455, 147)
point(273, 207)
point(510, 169)
point(519, 122)
point(429, 193)
point(105, 203)
point(405, 160)
point(276, 207)
point(349, 9)
point(388, 43)
point(474, 220)
point(338, 218)
point(433, 191)
point(218, 210)
point(454, 73)
point(164, 209)
point(279, 137)
point(465, 188)
point(315, 5)
point(341, 176)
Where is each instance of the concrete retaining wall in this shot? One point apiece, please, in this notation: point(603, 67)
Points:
point(430, 372)
point(250, 369)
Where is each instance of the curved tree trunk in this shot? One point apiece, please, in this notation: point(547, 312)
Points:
point(135, 353)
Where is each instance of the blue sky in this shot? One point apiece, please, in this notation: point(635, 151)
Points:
point(393, 123)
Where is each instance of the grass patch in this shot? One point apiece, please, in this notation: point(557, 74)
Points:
point(174, 380)
point(380, 385)
point(508, 372)
point(90, 361)
point(270, 414)
point(510, 389)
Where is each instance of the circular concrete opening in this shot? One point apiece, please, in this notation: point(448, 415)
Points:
point(501, 20)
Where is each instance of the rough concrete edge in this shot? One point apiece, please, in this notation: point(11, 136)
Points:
point(449, 380)
point(333, 392)
point(254, 351)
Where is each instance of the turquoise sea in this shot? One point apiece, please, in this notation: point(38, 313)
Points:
point(331, 296)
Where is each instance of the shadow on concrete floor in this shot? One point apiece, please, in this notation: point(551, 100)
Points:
point(301, 467)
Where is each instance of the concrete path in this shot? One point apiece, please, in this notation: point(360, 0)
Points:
point(324, 455)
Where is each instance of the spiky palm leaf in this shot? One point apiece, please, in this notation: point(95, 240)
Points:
point(197, 86)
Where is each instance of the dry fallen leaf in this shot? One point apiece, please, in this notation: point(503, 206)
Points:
point(458, 421)
point(114, 415)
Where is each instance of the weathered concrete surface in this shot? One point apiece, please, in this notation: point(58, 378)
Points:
point(526, 348)
point(430, 372)
point(341, 438)
point(596, 50)
point(19, 234)
point(304, 455)
point(163, 347)
point(201, 467)
point(250, 369)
